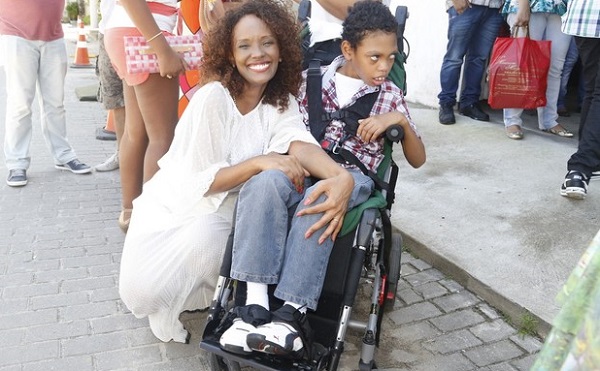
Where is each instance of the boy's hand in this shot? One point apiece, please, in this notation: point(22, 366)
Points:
point(338, 190)
point(371, 128)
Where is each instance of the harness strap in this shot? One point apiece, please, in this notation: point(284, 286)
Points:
point(315, 100)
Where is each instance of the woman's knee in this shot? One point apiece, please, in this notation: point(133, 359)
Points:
point(269, 179)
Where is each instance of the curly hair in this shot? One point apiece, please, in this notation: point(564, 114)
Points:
point(218, 51)
point(367, 16)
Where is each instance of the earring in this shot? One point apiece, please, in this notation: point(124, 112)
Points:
point(280, 59)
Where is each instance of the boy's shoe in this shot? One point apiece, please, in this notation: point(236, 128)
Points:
point(287, 335)
point(446, 115)
point(575, 185)
point(75, 166)
point(17, 177)
point(245, 320)
point(111, 163)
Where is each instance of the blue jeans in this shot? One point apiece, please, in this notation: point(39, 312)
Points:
point(471, 36)
point(267, 248)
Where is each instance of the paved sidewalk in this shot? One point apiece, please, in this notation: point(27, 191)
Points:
point(59, 266)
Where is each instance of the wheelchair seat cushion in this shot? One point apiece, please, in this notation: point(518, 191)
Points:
point(376, 201)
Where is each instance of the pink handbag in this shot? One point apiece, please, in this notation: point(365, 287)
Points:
point(140, 58)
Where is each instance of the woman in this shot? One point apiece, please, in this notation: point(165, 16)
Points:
point(542, 17)
point(150, 99)
point(243, 121)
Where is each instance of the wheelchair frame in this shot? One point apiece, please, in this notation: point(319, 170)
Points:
point(375, 256)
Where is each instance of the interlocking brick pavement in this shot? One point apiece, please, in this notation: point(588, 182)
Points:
point(59, 261)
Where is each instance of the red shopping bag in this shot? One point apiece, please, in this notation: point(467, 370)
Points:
point(518, 72)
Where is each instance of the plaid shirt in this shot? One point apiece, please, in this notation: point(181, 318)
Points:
point(390, 99)
point(582, 18)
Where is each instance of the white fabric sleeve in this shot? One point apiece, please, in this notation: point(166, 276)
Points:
point(199, 150)
point(287, 127)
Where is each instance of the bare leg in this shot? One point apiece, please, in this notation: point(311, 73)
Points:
point(157, 99)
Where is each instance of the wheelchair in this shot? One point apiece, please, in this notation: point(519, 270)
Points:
point(367, 252)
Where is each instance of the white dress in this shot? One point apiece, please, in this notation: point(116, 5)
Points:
point(176, 237)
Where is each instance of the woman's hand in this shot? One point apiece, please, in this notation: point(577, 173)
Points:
point(338, 190)
point(170, 63)
point(288, 164)
point(523, 15)
point(461, 5)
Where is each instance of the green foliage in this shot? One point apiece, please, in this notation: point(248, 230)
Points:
point(72, 11)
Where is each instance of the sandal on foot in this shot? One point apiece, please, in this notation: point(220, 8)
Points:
point(560, 131)
point(124, 219)
point(514, 133)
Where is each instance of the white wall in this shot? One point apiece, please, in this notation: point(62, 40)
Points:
point(426, 31)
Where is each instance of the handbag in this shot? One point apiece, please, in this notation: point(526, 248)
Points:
point(140, 58)
point(518, 72)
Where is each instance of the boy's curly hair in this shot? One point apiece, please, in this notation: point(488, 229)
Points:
point(217, 46)
point(367, 16)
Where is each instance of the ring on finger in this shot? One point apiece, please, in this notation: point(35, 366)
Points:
point(169, 77)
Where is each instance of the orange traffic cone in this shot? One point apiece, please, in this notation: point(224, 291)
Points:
point(82, 58)
point(110, 121)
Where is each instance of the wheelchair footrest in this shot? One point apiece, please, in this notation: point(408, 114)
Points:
point(258, 361)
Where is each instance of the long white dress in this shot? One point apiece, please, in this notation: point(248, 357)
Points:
point(176, 237)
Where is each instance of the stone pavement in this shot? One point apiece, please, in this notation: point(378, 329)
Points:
point(59, 265)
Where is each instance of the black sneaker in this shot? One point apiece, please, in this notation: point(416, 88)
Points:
point(575, 185)
point(287, 335)
point(17, 178)
point(447, 114)
point(475, 112)
point(75, 166)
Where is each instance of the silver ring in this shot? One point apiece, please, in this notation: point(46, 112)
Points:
point(169, 77)
point(335, 220)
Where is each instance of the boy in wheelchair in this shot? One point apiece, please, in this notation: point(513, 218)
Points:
point(267, 250)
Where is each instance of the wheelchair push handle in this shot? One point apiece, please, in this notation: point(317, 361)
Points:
point(395, 133)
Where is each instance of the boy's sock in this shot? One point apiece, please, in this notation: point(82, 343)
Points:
point(299, 307)
point(256, 293)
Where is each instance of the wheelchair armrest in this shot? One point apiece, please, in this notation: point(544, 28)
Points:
point(395, 133)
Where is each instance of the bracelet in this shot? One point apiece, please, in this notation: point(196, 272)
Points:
point(154, 37)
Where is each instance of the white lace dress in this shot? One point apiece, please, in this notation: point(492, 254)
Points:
point(176, 238)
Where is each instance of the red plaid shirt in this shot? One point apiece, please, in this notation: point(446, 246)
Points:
point(390, 99)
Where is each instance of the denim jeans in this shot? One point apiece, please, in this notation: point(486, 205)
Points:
point(544, 26)
point(31, 66)
point(587, 157)
point(570, 61)
point(267, 248)
point(471, 36)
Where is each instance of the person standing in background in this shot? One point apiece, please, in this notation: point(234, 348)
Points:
point(472, 28)
point(35, 59)
point(110, 92)
point(541, 20)
point(582, 20)
point(150, 99)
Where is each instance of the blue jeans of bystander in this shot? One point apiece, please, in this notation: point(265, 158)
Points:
point(470, 37)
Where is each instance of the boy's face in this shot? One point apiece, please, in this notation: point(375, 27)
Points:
point(373, 58)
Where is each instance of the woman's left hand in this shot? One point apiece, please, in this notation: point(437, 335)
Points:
point(338, 190)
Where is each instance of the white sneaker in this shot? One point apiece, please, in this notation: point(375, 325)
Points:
point(234, 339)
point(111, 163)
point(278, 338)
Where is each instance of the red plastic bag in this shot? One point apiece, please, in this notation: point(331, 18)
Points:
point(518, 72)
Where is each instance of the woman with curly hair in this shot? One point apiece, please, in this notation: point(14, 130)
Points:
point(242, 127)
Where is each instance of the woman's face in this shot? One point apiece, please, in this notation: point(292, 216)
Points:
point(255, 51)
point(373, 58)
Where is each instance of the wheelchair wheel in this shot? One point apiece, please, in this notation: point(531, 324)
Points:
point(393, 269)
point(218, 363)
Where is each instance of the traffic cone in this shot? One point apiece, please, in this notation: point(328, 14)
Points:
point(82, 58)
point(110, 121)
